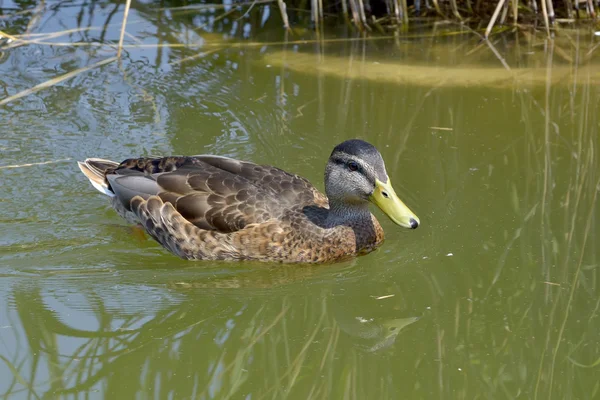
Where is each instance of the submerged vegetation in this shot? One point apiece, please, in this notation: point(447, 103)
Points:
point(434, 76)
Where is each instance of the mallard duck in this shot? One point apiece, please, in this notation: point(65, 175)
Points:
point(209, 207)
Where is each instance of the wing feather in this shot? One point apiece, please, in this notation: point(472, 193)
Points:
point(213, 193)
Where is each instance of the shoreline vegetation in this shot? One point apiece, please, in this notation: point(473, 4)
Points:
point(386, 15)
point(377, 16)
point(383, 15)
point(370, 19)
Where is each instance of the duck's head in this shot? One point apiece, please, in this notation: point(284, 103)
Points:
point(356, 175)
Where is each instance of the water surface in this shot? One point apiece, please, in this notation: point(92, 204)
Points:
point(494, 147)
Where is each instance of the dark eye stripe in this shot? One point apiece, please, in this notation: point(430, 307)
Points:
point(353, 166)
point(345, 163)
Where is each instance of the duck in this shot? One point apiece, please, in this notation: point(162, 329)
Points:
point(211, 207)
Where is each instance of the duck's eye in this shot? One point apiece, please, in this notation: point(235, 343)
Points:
point(352, 165)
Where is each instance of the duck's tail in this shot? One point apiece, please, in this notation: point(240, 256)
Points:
point(95, 170)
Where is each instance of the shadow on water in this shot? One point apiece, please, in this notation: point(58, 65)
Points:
point(499, 163)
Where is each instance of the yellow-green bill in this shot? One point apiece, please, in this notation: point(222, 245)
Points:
point(386, 199)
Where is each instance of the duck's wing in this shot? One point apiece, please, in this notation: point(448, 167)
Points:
point(213, 193)
point(291, 189)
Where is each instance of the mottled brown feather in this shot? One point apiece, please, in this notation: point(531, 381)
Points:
point(217, 208)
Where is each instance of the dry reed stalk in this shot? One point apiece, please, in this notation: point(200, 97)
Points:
point(396, 8)
point(54, 81)
point(363, 15)
point(440, 358)
point(52, 35)
point(6, 35)
point(591, 9)
point(213, 6)
point(550, 10)
point(355, 18)
point(494, 17)
point(590, 53)
point(33, 164)
point(545, 14)
point(454, 7)
point(284, 16)
point(404, 12)
point(219, 373)
point(533, 6)
point(294, 368)
point(545, 202)
point(333, 338)
point(504, 13)
point(125, 15)
point(497, 54)
point(36, 17)
point(320, 2)
point(437, 8)
point(563, 54)
point(569, 7)
point(575, 281)
point(196, 56)
point(515, 11)
point(345, 10)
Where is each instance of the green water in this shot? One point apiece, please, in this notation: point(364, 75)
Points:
point(495, 296)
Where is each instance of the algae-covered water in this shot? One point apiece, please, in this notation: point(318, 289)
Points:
point(494, 145)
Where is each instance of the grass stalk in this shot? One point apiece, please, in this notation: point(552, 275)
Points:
point(212, 6)
point(355, 17)
point(504, 13)
point(575, 281)
point(195, 56)
point(125, 15)
point(315, 14)
point(551, 14)
point(396, 9)
point(454, 9)
point(363, 15)
point(545, 15)
point(591, 9)
point(6, 35)
point(35, 17)
point(493, 19)
point(55, 81)
point(569, 7)
point(436, 5)
point(284, 16)
point(404, 11)
point(18, 377)
point(34, 164)
point(345, 10)
point(320, 4)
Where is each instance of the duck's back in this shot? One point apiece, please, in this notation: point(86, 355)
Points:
point(214, 193)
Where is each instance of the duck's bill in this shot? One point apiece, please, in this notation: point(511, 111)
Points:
point(386, 199)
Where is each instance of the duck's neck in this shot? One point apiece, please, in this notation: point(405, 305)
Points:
point(368, 234)
point(348, 214)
